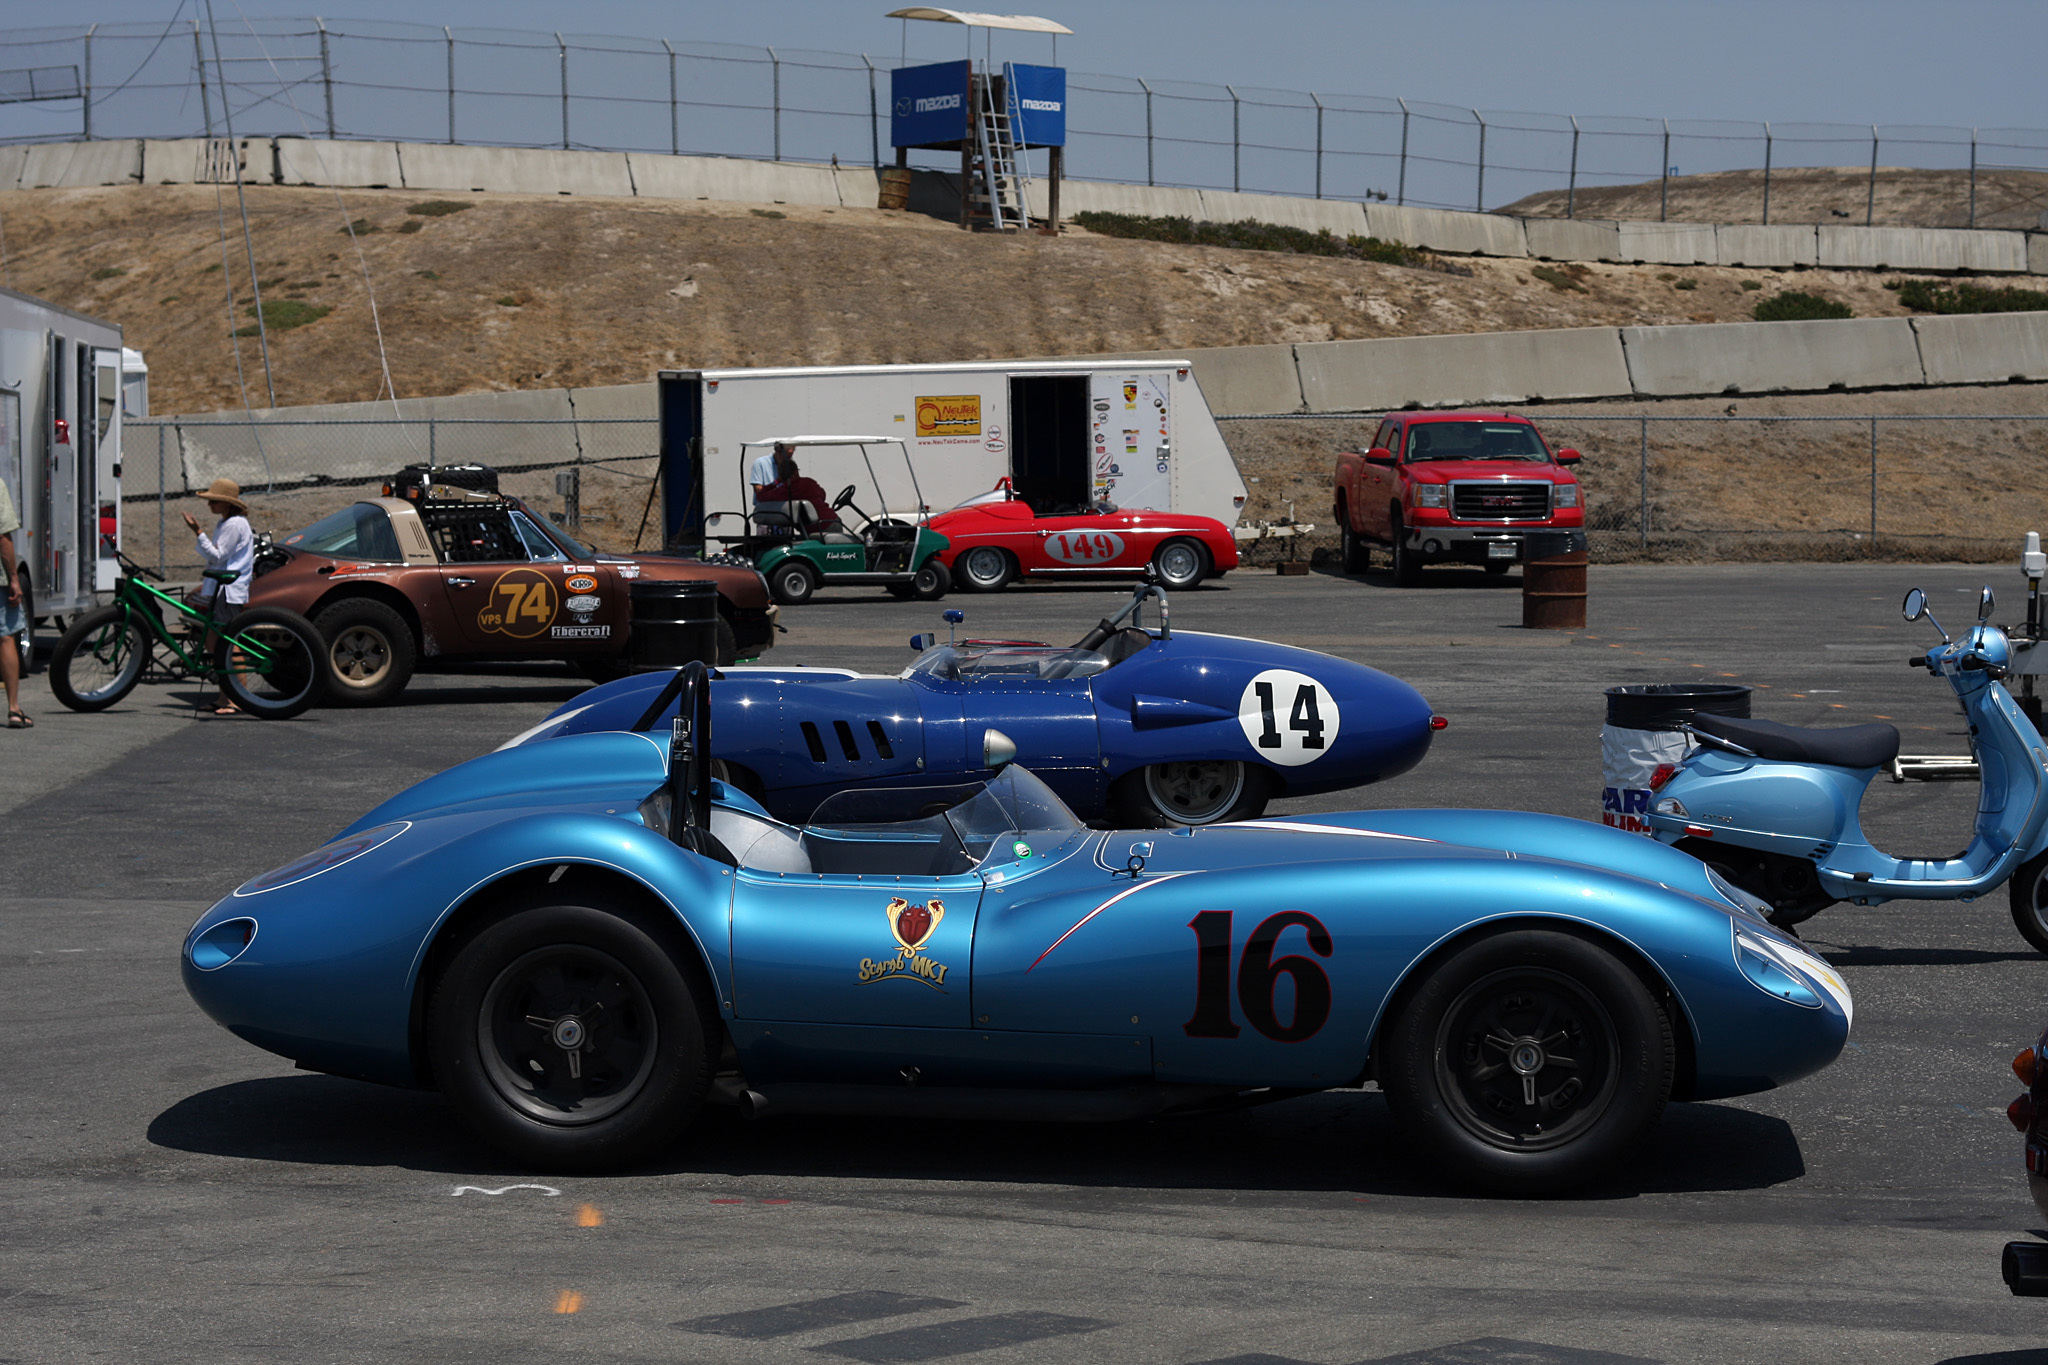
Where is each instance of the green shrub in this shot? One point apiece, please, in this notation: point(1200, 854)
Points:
point(361, 227)
point(427, 274)
point(508, 302)
point(438, 208)
point(1925, 296)
point(1751, 286)
point(411, 225)
point(1250, 235)
point(1686, 284)
point(768, 213)
point(1796, 306)
point(1563, 280)
point(108, 272)
point(281, 315)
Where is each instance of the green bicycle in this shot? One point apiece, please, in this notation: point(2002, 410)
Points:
point(269, 660)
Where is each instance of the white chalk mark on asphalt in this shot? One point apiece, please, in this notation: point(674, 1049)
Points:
point(547, 1191)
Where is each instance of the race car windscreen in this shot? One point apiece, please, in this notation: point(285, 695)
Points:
point(362, 531)
point(974, 663)
point(935, 831)
point(1474, 441)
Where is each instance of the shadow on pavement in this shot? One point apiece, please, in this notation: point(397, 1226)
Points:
point(1329, 1142)
point(2035, 1356)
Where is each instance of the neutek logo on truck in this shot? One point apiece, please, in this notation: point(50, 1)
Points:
point(949, 415)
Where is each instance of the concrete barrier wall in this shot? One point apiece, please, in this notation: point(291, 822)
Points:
point(1669, 243)
point(2037, 252)
point(1985, 349)
point(1469, 234)
point(514, 170)
point(1091, 196)
point(1768, 357)
point(1339, 216)
point(1756, 245)
point(12, 160)
point(1572, 239)
point(739, 182)
point(184, 161)
point(354, 165)
point(77, 165)
point(1439, 371)
point(1887, 248)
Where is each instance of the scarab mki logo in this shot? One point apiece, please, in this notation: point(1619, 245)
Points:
point(912, 926)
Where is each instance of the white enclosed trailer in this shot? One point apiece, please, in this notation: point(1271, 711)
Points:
point(60, 449)
point(1137, 433)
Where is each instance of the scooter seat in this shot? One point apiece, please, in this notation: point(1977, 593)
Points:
point(1848, 746)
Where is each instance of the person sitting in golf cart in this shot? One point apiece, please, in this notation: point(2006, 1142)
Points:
point(796, 495)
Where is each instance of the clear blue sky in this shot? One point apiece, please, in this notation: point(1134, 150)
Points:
point(1955, 62)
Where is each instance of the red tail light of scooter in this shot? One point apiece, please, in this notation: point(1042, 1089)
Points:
point(1665, 772)
point(2021, 1112)
point(2027, 1066)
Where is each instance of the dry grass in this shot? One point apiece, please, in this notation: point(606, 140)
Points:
point(1839, 195)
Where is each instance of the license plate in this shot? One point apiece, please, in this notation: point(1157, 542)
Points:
point(1500, 549)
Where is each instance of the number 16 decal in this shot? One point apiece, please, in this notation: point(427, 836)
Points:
point(1258, 973)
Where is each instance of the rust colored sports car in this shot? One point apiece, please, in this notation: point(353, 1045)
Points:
point(467, 575)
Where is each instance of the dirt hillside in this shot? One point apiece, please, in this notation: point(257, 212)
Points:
point(1839, 195)
point(542, 292)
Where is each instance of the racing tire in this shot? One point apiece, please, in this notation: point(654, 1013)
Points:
point(728, 646)
point(792, 582)
point(370, 652)
point(2028, 892)
point(1496, 567)
point(1189, 792)
point(931, 582)
point(984, 568)
point(1180, 564)
point(1353, 554)
point(298, 674)
point(1407, 563)
point(98, 661)
point(569, 1037)
point(1474, 1067)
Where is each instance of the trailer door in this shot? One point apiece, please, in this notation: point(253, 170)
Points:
point(1131, 439)
point(1049, 440)
point(107, 466)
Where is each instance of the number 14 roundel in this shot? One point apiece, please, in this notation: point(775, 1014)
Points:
point(1289, 717)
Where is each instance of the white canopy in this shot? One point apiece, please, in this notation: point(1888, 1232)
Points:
point(1027, 23)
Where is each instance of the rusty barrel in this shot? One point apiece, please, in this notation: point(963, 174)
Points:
point(1554, 580)
point(895, 188)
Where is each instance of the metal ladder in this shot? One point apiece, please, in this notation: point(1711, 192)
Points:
point(1001, 189)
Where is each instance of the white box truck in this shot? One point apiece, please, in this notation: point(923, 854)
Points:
point(1137, 433)
point(61, 392)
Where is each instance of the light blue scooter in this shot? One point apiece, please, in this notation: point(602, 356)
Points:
point(1774, 807)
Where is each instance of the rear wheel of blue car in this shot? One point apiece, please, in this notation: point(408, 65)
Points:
point(570, 1037)
point(1204, 791)
point(1528, 1062)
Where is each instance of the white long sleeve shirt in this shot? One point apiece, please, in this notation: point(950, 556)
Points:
point(231, 546)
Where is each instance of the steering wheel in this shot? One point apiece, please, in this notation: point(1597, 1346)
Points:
point(844, 499)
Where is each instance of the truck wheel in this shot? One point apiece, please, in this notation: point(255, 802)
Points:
point(1528, 1062)
point(792, 582)
point(1192, 792)
point(728, 643)
point(1407, 563)
point(984, 568)
point(932, 582)
point(98, 661)
point(1353, 554)
point(1180, 563)
point(370, 653)
point(2028, 891)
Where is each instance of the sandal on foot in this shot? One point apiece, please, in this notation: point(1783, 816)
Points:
point(227, 709)
point(18, 720)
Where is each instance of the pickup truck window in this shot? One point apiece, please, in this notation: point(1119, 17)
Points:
point(1475, 441)
point(1384, 435)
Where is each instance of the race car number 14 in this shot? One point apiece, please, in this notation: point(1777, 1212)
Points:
point(1289, 717)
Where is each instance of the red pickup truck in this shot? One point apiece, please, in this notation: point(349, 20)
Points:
point(1452, 487)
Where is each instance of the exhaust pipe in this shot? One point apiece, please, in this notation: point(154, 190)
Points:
point(2025, 1267)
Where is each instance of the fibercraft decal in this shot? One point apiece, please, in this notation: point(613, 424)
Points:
point(522, 604)
point(911, 925)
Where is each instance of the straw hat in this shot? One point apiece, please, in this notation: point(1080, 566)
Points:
point(227, 491)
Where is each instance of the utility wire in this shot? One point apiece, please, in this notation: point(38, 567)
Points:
point(227, 114)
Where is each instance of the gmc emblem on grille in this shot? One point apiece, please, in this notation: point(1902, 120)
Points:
point(1499, 500)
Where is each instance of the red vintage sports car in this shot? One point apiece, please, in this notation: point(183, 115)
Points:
point(996, 538)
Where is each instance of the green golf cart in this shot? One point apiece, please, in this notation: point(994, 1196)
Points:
point(799, 552)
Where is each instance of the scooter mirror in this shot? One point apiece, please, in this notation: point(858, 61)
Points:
point(1985, 602)
point(1915, 605)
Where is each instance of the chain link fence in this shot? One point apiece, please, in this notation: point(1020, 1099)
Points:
point(502, 87)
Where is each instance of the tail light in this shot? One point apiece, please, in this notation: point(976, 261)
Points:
point(1439, 722)
point(1665, 772)
point(2027, 1065)
point(63, 432)
point(2021, 1112)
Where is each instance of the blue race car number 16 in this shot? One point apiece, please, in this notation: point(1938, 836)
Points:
point(1258, 974)
point(1289, 717)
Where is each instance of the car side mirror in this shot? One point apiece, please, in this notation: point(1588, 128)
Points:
point(998, 750)
point(1568, 456)
point(1379, 455)
point(1915, 605)
point(1985, 602)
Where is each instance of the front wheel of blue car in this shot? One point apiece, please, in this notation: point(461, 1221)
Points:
point(1528, 1062)
point(569, 1037)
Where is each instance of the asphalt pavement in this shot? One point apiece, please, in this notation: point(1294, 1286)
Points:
point(178, 1195)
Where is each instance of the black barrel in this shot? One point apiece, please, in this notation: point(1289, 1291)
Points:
point(674, 621)
point(1662, 706)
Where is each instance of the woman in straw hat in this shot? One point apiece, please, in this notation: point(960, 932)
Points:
point(231, 548)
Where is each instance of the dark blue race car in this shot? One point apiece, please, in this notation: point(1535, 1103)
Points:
point(583, 943)
point(1139, 727)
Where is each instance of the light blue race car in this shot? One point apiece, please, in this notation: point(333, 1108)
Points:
point(1129, 726)
point(584, 943)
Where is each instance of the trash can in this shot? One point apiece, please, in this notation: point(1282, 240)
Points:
point(1642, 734)
point(1554, 580)
point(895, 188)
point(673, 623)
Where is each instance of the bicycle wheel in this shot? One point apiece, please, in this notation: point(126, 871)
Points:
point(271, 662)
point(98, 661)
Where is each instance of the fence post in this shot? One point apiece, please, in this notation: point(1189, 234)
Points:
point(775, 101)
point(1973, 177)
point(1767, 174)
point(449, 34)
point(1235, 142)
point(1664, 191)
point(1643, 497)
point(675, 137)
point(1142, 85)
point(199, 55)
point(1401, 183)
point(326, 74)
point(874, 120)
point(1870, 199)
point(1479, 196)
point(563, 49)
point(1571, 185)
point(1319, 142)
point(86, 103)
point(1873, 485)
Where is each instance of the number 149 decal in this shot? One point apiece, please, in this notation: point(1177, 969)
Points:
point(1258, 974)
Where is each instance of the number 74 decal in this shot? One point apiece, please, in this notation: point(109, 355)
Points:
point(1289, 717)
